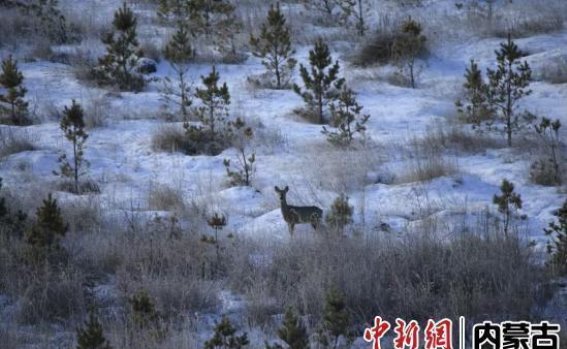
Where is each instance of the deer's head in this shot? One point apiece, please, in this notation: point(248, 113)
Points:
point(282, 192)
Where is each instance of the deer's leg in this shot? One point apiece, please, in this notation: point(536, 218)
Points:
point(291, 227)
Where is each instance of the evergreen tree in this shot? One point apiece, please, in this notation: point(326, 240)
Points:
point(341, 213)
point(11, 79)
point(10, 222)
point(475, 109)
point(274, 46)
point(508, 84)
point(215, 100)
point(91, 336)
point(407, 48)
point(179, 53)
point(225, 337)
point(558, 247)
point(335, 317)
point(321, 83)
point(117, 67)
point(47, 230)
point(73, 126)
point(212, 19)
point(292, 332)
point(145, 316)
point(345, 111)
point(508, 202)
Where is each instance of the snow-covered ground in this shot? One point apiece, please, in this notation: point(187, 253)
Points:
point(293, 152)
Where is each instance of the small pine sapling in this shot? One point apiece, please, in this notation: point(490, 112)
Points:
point(215, 99)
point(217, 222)
point(321, 82)
point(179, 53)
point(507, 85)
point(558, 246)
point(508, 203)
point(475, 108)
point(91, 335)
point(117, 67)
point(48, 229)
point(407, 48)
point(346, 118)
point(243, 171)
point(225, 337)
point(292, 332)
point(547, 171)
point(11, 79)
point(336, 319)
point(73, 126)
point(145, 316)
point(340, 214)
point(10, 223)
point(274, 47)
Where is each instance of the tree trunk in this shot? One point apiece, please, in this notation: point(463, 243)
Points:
point(76, 169)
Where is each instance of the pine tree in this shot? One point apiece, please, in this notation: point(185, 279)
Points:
point(10, 222)
point(117, 67)
point(322, 83)
point(225, 337)
point(475, 109)
point(407, 48)
point(12, 80)
point(214, 20)
point(293, 332)
point(341, 213)
point(47, 230)
point(91, 336)
point(145, 316)
point(558, 246)
point(215, 100)
point(274, 46)
point(508, 202)
point(73, 126)
point(335, 317)
point(179, 53)
point(345, 111)
point(508, 84)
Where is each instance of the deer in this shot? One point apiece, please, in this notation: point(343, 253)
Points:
point(298, 214)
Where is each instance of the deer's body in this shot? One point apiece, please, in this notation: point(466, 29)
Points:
point(298, 214)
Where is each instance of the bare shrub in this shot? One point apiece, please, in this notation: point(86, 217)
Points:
point(169, 138)
point(14, 141)
point(164, 198)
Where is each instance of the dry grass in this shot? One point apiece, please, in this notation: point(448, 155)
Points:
point(169, 138)
point(555, 71)
point(164, 198)
point(14, 141)
point(475, 275)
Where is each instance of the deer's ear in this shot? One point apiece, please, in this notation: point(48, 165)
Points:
point(286, 189)
point(276, 188)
